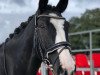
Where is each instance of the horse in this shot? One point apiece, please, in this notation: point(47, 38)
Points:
point(43, 38)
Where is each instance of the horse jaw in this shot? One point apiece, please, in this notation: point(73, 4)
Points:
point(66, 60)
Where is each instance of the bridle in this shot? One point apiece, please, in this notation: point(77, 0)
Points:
point(53, 48)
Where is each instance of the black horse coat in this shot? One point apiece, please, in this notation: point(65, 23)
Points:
point(17, 56)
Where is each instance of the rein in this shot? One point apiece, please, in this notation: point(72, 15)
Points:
point(52, 49)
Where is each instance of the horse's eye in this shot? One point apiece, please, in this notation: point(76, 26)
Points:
point(42, 25)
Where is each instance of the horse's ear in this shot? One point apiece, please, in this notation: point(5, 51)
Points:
point(61, 6)
point(42, 4)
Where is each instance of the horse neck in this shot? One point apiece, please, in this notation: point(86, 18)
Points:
point(35, 62)
point(20, 50)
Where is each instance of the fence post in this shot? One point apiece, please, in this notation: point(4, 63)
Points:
point(91, 61)
point(43, 69)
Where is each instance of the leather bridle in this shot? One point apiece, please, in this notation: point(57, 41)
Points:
point(53, 48)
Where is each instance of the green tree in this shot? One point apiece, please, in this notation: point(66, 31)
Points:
point(89, 20)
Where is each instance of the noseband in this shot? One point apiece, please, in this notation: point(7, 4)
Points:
point(53, 48)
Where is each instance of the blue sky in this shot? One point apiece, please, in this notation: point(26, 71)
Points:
point(13, 12)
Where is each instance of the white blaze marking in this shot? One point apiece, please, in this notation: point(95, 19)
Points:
point(65, 57)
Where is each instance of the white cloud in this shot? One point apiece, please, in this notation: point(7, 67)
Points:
point(5, 30)
point(77, 7)
point(13, 8)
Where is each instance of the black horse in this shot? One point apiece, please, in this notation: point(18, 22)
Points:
point(43, 38)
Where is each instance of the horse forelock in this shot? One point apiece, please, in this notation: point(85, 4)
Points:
point(48, 9)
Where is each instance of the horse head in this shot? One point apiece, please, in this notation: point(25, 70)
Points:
point(51, 31)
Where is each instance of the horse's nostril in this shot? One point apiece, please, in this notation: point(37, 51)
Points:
point(65, 73)
point(61, 71)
